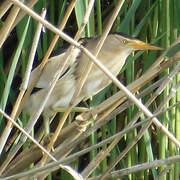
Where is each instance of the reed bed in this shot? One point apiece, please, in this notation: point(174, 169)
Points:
point(117, 139)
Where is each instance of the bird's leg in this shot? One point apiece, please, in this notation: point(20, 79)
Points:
point(74, 109)
point(81, 124)
point(47, 134)
point(46, 124)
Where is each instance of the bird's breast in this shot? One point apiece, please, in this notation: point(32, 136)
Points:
point(97, 80)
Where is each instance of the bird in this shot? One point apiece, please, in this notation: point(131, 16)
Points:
point(113, 55)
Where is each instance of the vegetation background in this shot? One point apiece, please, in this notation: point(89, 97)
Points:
point(154, 21)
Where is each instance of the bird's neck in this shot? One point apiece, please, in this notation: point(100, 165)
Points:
point(114, 60)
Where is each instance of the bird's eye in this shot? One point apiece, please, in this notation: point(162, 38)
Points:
point(124, 41)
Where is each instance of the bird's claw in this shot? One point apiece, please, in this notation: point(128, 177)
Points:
point(82, 124)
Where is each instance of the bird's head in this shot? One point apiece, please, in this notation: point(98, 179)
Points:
point(124, 42)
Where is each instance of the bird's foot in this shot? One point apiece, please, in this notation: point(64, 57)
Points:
point(83, 124)
point(85, 116)
point(46, 139)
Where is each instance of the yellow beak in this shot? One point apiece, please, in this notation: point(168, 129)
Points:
point(139, 45)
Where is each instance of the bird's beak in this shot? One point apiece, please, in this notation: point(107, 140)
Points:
point(140, 45)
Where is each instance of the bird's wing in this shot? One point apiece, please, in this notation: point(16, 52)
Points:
point(51, 67)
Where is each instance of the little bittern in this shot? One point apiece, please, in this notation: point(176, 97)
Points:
point(113, 55)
